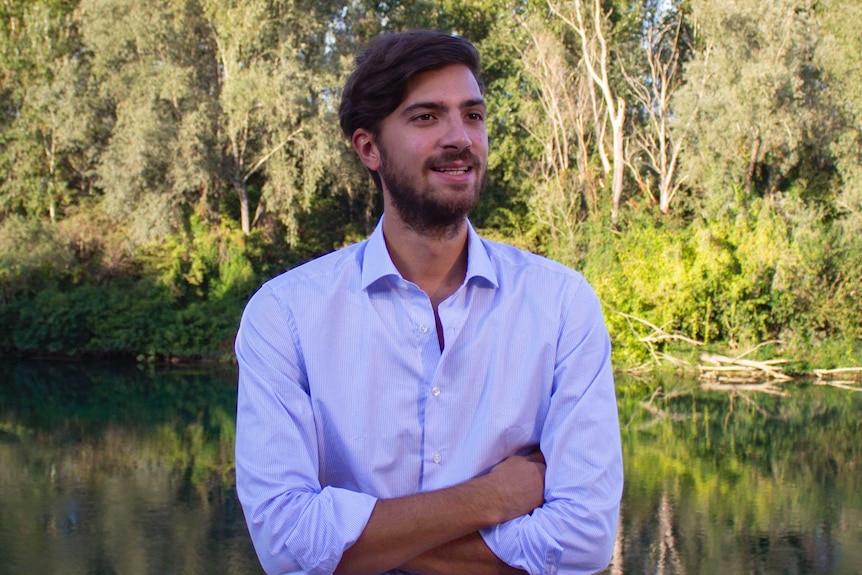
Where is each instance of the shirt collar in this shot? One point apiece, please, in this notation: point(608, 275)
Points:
point(377, 264)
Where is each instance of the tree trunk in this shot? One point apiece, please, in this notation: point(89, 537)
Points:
point(752, 164)
point(244, 217)
point(619, 162)
point(595, 59)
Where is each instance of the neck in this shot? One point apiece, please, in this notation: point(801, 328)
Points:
point(436, 262)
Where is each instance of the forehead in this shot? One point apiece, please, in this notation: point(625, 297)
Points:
point(453, 84)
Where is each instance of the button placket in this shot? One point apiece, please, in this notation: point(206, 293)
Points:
point(425, 329)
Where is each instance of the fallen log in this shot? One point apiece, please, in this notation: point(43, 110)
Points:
point(725, 368)
point(842, 377)
point(840, 373)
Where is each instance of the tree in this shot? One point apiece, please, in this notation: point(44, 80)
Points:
point(839, 55)
point(214, 99)
point(561, 122)
point(47, 115)
point(150, 63)
point(658, 147)
point(590, 25)
point(263, 54)
point(760, 114)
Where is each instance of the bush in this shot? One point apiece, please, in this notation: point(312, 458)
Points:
point(184, 298)
point(777, 270)
point(33, 257)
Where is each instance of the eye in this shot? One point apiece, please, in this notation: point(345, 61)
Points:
point(476, 117)
point(426, 117)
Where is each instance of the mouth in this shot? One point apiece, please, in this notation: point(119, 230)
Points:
point(454, 164)
point(459, 171)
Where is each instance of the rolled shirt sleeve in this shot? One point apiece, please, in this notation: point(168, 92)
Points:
point(296, 525)
point(574, 531)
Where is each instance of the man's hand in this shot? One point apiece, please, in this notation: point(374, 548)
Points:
point(400, 530)
point(520, 482)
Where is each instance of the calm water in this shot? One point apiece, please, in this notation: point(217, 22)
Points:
point(117, 469)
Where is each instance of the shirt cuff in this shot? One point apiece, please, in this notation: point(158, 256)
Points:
point(346, 515)
point(537, 554)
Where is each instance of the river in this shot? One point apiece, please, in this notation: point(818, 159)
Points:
point(126, 469)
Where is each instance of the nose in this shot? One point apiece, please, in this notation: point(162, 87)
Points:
point(457, 135)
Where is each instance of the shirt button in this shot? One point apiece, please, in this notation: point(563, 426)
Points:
point(437, 458)
point(435, 391)
point(423, 329)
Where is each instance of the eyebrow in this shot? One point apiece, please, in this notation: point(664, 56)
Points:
point(473, 103)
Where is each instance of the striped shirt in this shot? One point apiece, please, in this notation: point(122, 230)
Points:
point(345, 397)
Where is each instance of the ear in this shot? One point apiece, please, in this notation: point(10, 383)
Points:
point(366, 148)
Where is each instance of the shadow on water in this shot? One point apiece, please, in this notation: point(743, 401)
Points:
point(119, 469)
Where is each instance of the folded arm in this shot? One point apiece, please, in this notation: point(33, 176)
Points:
point(417, 528)
point(573, 532)
point(468, 555)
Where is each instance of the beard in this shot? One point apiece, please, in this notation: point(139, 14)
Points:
point(427, 211)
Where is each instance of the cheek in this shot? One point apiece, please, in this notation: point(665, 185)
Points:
point(480, 147)
point(405, 150)
point(479, 136)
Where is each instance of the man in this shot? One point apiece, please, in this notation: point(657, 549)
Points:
point(426, 401)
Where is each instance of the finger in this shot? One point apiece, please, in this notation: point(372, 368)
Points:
point(536, 457)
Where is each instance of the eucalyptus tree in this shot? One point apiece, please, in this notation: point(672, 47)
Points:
point(577, 56)
point(559, 117)
point(591, 24)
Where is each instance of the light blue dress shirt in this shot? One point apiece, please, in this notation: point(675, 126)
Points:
point(345, 397)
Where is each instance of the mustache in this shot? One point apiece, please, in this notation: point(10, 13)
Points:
point(465, 156)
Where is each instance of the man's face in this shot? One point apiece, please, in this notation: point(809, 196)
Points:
point(433, 150)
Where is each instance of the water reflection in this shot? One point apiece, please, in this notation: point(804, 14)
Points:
point(740, 482)
point(115, 469)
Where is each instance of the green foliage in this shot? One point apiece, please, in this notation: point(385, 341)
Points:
point(753, 108)
point(204, 262)
point(775, 272)
point(136, 319)
point(159, 161)
point(184, 300)
point(32, 257)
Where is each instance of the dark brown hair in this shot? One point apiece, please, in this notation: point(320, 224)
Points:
point(378, 84)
